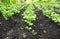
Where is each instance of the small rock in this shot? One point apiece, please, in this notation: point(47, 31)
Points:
point(40, 36)
point(10, 32)
point(44, 31)
point(21, 28)
point(24, 35)
point(0, 22)
point(22, 20)
point(6, 38)
point(41, 24)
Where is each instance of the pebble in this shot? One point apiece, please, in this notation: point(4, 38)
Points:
point(40, 36)
point(24, 35)
point(44, 31)
point(35, 26)
point(6, 38)
point(41, 24)
point(0, 22)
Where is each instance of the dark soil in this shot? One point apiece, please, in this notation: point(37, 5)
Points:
point(14, 27)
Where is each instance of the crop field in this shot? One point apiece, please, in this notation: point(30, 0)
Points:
point(29, 19)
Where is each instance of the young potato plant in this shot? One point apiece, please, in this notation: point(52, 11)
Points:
point(31, 29)
point(29, 15)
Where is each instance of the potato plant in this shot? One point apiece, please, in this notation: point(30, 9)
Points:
point(29, 15)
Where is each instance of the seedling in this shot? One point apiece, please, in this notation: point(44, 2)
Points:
point(33, 32)
point(28, 28)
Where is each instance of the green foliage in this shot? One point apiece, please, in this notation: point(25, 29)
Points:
point(31, 29)
point(48, 9)
point(28, 28)
point(33, 32)
point(9, 10)
point(29, 15)
point(7, 2)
